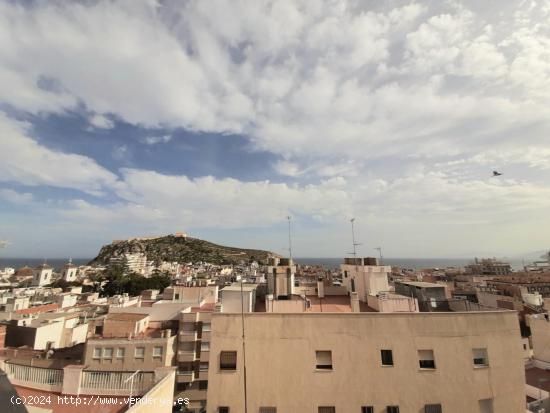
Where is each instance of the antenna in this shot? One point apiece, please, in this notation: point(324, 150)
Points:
point(355, 244)
point(379, 249)
point(289, 240)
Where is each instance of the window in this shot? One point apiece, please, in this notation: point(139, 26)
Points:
point(367, 409)
point(426, 359)
point(392, 409)
point(205, 346)
point(157, 351)
point(177, 297)
point(480, 357)
point(108, 353)
point(139, 352)
point(486, 406)
point(223, 409)
point(228, 360)
point(97, 352)
point(326, 409)
point(203, 385)
point(268, 410)
point(206, 326)
point(433, 408)
point(387, 357)
point(120, 352)
point(203, 366)
point(324, 360)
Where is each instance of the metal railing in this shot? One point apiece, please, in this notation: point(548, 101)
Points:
point(117, 381)
point(35, 377)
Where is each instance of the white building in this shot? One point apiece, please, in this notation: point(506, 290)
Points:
point(236, 298)
point(7, 272)
point(66, 300)
point(134, 262)
point(70, 271)
point(42, 275)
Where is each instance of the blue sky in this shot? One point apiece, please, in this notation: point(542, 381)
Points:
point(220, 118)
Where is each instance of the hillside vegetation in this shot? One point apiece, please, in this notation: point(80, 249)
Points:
point(179, 249)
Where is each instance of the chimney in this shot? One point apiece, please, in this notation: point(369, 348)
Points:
point(355, 303)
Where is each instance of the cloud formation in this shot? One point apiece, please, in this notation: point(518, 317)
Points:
point(398, 109)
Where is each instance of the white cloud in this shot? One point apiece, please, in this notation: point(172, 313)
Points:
point(348, 98)
point(101, 122)
point(19, 198)
point(27, 162)
point(153, 140)
point(298, 78)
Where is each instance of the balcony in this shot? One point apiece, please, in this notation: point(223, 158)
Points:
point(75, 379)
point(184, 356)
point(203, 375)
point(117, 383)
point(187, 336)
point(195, 394)
point(205, 355)
point(35, 377)
point(206, 335)
point(185, 376)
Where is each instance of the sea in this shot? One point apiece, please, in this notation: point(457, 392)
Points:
point(412, 263)
point(409, 263)
point(56, 263)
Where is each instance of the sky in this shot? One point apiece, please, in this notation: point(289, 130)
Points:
point(221, 118)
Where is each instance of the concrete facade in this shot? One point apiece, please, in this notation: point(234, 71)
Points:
point(143, 354)
point(281, 362)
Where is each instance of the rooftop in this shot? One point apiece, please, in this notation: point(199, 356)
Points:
point(421, 284)
point(237, 287)
point(125, 317)
point(538, 378)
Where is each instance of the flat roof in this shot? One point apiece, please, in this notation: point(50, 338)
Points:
point(126, 316)
point(237, 287)
point(538, 378)
point(421, 284)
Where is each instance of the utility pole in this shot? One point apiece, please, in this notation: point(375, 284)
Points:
point(244, 350)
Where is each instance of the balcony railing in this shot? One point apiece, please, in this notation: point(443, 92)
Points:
point(116, 382)
point(35, 377)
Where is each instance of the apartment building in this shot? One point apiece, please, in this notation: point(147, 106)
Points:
point(146, 352)
point(370, 281)
point(488, 266)
point(193, 357)
point(366, 362)
point(47, 330)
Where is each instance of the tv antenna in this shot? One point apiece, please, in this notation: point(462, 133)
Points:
point(289, 240)
point(355, 244)
point(379, 249)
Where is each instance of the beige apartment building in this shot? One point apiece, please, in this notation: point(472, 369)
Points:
point(193, 358)
point(367, 363)
point(146, 352)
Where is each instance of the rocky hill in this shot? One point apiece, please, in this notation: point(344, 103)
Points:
point(180, 249)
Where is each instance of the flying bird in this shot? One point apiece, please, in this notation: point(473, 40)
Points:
point(496, 173)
